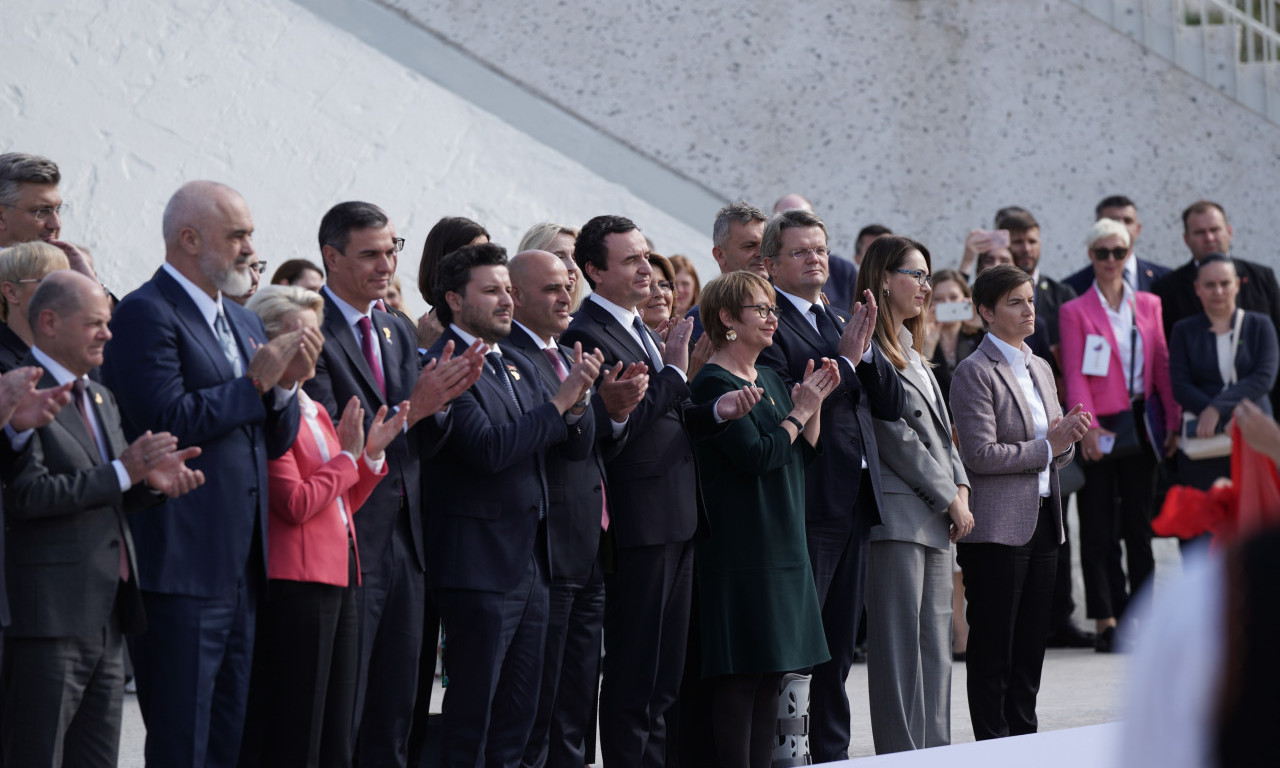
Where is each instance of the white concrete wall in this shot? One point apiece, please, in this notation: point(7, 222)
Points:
point(925, 115)
point(132, 99)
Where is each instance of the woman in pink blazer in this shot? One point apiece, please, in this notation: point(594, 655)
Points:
point(307, 656)
point(1115, 360)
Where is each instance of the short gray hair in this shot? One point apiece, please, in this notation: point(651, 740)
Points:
point(275, 303)
point(1104, 228)
point(741, 212)
point(779, 222)
point(20, 168)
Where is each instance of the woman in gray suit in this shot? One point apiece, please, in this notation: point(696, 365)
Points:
point(926, 507)
point(1013, 439)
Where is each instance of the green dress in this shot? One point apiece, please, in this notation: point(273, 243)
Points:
point(759, 607)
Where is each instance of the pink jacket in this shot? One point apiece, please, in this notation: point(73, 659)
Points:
point(306, 539)
point(1105, 395)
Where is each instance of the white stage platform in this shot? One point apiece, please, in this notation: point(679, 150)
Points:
point(1091, 745)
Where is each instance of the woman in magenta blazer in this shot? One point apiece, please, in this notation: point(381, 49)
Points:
point(309, 652)
point(1115, 360)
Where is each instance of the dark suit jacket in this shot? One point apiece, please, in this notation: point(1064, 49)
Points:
point(489, 476)
point(169, 374)
point(653, 480)
point(1148, 273)
point(875, 390)
point(66, 526)
point(1177, 292)
point(13, 350)
point(1193, 365)
point(342, 372)
point(1050, 295)
point(575, 487)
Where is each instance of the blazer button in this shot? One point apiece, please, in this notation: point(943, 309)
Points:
point(917, 414)
point(925, 443)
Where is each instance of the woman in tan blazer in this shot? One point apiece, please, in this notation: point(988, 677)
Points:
point(925, 508)
point(1013, 439)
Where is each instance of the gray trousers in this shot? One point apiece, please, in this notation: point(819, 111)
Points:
point(909, 590)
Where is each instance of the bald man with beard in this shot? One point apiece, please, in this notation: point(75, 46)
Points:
point(185, 359)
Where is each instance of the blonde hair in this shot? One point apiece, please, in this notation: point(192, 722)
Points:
point(275, 303)
point(28, 261)
point(539, 238)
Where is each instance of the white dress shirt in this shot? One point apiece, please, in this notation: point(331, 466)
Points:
point(1020, 361)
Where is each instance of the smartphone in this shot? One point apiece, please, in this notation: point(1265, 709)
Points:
point(953, 311)
point(999, 238)
point(1106, 443)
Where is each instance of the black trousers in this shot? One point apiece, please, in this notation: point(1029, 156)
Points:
point(1009, 590)
point(1114, 503)
point(838, 551)
point(312, 654)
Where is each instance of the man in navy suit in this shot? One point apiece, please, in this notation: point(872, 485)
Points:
point(369, 354)
point(1139, 273)
point(842, 486)
point(488, 556)
point(656, 501)
point(576, 521)
point(842, 274)
point(185, 360)
point(73, 567)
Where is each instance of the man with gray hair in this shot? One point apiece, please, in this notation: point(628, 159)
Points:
point(735, 245)
point(31, 207)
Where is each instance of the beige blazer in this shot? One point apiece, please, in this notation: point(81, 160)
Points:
point(998, 446)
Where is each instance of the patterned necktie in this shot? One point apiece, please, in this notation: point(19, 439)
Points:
point(78, 392)
point(366, 346)
point(500, 368)
point(826, 326)
point(646, 341)
point(228, 343)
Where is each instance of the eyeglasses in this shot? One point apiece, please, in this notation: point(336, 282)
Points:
point(763, 310)
point(921, 278)
point(800, 253)
point(666, 286)
point(260, 267)
point(42, 214)
point(1102, 254)
point(399, 241)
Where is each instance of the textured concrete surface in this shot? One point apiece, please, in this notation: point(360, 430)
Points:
point(925, 116)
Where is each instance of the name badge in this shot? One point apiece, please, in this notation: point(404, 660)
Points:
point(1097, 355)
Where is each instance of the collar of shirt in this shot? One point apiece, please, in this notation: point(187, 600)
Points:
point(59, 372)
point(1011, 353)
point(623, 315)
point(349, 313)
point(208, 307)
point(1131, 269)
point(548, 343)
point(803, 306)
point(468, 339)
point(908, 344)
point(1127, 300)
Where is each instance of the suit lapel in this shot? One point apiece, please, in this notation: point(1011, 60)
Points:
point(521, 340)
point(614, 328)
point(799, 326)
point(337, 329)
point(70, 420)
point(1005, 372)
point(931, 395)
point(197, 327)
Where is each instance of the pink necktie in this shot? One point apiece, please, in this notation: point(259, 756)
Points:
point(558, 365)
point(366, 346)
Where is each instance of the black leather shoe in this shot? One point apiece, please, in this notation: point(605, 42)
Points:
point(1070, 636)
point(1106, 642)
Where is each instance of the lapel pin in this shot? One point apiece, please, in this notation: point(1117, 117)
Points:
point(515, 372)
point(97, 398)
point(387, 332)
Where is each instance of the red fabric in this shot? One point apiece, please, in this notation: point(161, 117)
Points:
point(1248, 504)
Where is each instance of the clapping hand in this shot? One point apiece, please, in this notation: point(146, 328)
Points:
point(856, 339)
point(622, 388)
point(736, 404)
point(444, 378)
point(383, 430)
point(26, 407)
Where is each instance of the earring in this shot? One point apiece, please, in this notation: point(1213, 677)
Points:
point(886, 293)
point(731, 334)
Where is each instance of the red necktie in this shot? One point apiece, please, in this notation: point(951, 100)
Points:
point(366, 346)
point(77, 389)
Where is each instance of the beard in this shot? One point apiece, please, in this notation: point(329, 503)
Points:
point(231, 280)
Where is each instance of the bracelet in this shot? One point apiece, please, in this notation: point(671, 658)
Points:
point(794, 420)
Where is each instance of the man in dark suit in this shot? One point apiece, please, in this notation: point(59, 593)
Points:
point(1024, 242)
point(1139, 273)
point(489, 560)
point(1205, 230)
point(842, 486)
point(186, 361)
point(656, 502)
point(842, 275)
point(577, 517)
point(370, 355)
point(70, 557)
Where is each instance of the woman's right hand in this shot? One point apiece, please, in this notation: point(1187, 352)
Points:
point(383, 430)
point(351, 427)
point(807, 396)
point(1089, 445)
point(961, 517)
point(978, 241)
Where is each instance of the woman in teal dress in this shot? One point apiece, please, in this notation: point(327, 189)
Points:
point(759, 608)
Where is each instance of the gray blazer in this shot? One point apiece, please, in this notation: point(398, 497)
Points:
point(998, 445)
point(920, 469)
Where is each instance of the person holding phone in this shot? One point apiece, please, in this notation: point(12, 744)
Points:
point(953, 331)
point(1115, 362)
